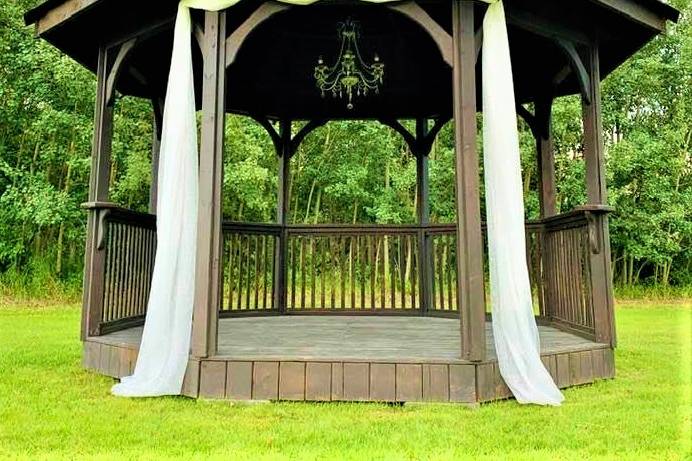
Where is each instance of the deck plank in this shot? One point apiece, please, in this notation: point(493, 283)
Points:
point(352, 339)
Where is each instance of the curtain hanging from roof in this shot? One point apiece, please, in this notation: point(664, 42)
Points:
point(164, 350)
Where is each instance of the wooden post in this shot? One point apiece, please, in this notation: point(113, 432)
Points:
point(209, 236)
point(470, 286)
point(155, 150)
point(280, 269)
point(423, 199)
point(600, 264)
point(95, 258)
point(546, 156)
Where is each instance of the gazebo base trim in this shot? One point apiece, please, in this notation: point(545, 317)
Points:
point(319, 375)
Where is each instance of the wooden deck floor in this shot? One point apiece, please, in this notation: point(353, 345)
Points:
point(352, 358)
point(352, 338)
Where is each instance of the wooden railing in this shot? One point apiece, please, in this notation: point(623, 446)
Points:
point(568, 241)
point(360, 268)
point(442, 268)
point(129, 241)
point(250, 267)
point(347, 269)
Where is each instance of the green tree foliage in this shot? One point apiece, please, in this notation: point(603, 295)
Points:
point(344, 172)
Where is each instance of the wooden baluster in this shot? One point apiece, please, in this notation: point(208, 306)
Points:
point(313, 262)
point(413, 247)
point(241, 256)
point(323, 272)
point(351, 270)
point(402, 270)
point(373, 270)
point(229, 264)
point(292, 244)
point(131, 253)
point(265, 239)
point(362, 264)
point(275, 244)
point(302, 272)
point(342, 269)
point(109, 278)
point(120, 260)
point(248, 274)
point(392, 271)
point(332, 277)
point(433, 270)
point(137, 272)
point(450, 248)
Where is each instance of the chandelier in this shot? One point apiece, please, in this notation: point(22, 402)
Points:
point(350, 75)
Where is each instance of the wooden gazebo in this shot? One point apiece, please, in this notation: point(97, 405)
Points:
point(334, 312)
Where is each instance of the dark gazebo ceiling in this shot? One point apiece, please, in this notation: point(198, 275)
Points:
point(273, 71)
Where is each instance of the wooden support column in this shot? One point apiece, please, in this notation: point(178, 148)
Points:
point(546, 156)
point(95, 258)
point(600, 263)
point(283, 147)
point(422, 151)
point(209, 236)
point(470, 286)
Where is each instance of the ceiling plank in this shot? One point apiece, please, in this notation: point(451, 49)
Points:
point(61, 13)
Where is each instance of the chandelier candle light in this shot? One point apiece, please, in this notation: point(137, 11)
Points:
point(350, 74)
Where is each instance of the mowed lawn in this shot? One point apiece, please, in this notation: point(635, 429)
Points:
point(51, 409)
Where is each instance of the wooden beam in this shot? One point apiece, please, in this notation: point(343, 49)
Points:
point(600, 264)
point(95, 257)
point(425, 273)
point(282, 203)
point(541, 26)
point(635, 12)
point(528, 117)
point(440, 36)
point(479, 42)
point(261, 14)
point(209, 236)
point(470, 284)
point(545, 156)
point(116, 68)
point(309, 127)
point(198, 33)
point(577, 67)
point(410, 139)
point(62, 13)
point(271, 131)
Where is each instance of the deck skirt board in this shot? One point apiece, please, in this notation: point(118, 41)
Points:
point(352, 358)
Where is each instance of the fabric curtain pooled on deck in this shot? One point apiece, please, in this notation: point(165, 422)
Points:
point(164, 350)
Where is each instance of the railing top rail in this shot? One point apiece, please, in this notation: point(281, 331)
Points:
point(251, 228)
point(121, 214)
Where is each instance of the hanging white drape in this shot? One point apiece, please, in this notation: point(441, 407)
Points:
point(164, 350)
point(514, 326)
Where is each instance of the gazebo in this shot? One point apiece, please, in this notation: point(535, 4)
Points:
point(352, 312)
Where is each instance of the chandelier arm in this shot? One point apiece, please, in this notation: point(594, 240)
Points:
point(360, 58)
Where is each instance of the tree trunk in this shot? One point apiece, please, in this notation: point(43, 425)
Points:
point(307, 207)
point(317, 206)
point(61, 232)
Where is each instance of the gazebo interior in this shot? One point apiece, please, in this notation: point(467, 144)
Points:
point(352, 312)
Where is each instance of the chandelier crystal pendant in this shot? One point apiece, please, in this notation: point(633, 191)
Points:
point(350, 75)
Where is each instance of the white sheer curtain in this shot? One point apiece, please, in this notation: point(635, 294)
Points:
point(164, 351)
point(514, 326)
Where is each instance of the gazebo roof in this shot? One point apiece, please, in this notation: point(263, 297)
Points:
point(272, 73)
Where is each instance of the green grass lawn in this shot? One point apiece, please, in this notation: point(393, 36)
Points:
point(51, 409)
